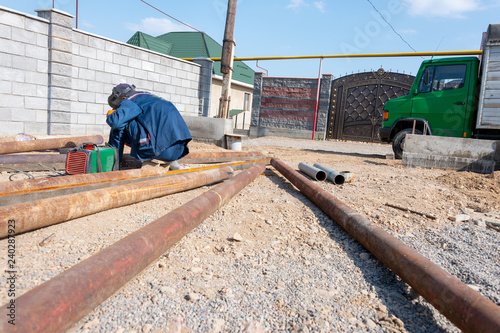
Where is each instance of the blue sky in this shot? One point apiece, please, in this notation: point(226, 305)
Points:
point(299, 27)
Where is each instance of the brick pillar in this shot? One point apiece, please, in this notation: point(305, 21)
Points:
point(257, 97)
point(324, 105)
point(205, 86)
point(60, 69)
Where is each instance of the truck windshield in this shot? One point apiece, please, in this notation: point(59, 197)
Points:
point(445, 77)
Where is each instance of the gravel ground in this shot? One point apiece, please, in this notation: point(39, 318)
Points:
point(271, 261)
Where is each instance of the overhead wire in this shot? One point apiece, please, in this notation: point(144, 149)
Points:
point(173, 18)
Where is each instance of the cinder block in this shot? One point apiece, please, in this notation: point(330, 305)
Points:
point(152, 76)
point(12, 101)
point(24, 89)
point(12, 47)
point(36, 128)
point(128, 51)
point(142, 55)
point(60, 81)
point(11, 127)
point(154, 58)
point(62, 32)
point(42, 66)
point(96, 65)
point(112, 68)
point(86, 97)
point(12, 19)
point(61, 69)
point(24, 115)
point(59, 129)
point(36, 78)
point(126, 71)
point(148, 66)
point(140, 74)
point(60, 93)
point(113, 47)
point(61, 57)
point(86, 118)
point(86, 74)
point(37, 27)
point(80, 62)
point(88, 52)
point(25, 63)
point(42, 116)
point(98, 130)
point(5, 31)
point(78, 129)
point(23, 36)
point(5, 114)
point(60, 117)
point(97, 43)
point(80, 38)
point(104, 77)
point(97, 108)
point(42, 40)
point(120, 59)
point(77, 107)
point(134, 63)
point(61, 105)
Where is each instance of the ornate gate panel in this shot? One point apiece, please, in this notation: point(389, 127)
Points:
point(357, 103)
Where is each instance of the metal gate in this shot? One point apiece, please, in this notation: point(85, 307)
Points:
point(357, 103)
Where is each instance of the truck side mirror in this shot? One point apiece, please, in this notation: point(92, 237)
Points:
point(426, 78)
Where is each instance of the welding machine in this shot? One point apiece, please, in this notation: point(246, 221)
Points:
point(91, 158)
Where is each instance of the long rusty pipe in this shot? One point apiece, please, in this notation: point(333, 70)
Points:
point(44, 144)
point(467, 309)
point(20, 187)
point(44, 212)
point(58, 303)
point(220, 156)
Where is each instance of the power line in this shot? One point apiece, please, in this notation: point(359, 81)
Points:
point(187, 25)
point(383, 18)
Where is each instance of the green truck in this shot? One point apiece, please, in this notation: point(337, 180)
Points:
point(457, 97)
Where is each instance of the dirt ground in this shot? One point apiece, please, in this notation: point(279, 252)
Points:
point(377, 181)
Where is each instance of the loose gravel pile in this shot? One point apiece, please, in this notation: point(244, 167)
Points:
point(271, 261)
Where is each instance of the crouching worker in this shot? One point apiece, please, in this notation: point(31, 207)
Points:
point(150, 125)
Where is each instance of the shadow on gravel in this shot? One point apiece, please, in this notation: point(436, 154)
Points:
point(394, 293)
point(330, 152)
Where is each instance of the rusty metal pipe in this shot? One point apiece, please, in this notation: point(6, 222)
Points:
point(23, 187)
point(44, 144)
point(466, 308)
point(60, 302)
point(220, 156)
point(44, 212)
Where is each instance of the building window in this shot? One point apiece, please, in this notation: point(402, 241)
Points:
point(246, 102)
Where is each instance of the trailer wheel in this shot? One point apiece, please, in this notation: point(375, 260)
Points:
point(398, 143)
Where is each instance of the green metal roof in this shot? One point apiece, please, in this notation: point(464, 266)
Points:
point(235, 112)
point(187, 44)
point(149, 42)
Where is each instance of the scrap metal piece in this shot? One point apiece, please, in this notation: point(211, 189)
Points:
point(44, 144)
point(466, 308)
point(334, 176)
point(62, 301)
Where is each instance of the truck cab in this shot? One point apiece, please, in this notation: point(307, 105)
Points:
point(442, 101)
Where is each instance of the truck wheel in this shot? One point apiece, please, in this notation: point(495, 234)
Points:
point(398, 143)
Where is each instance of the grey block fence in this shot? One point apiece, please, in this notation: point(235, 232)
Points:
point(55, 80)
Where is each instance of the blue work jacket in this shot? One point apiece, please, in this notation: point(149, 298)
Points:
point(152, 126)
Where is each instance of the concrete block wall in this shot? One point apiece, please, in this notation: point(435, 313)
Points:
point(58, 78)
point(24, 70)
point(286, 106)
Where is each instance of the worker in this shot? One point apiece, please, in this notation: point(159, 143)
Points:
point(150, 125)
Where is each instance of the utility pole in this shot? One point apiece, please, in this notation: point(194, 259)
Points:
point(227, 60)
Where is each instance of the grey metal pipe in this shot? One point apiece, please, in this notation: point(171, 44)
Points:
point(333, 176)
point(312, 172)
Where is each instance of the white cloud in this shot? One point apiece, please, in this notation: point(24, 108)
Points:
point(295, 3)
point(445, 8)
point(320, 5)
point(156, 26)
